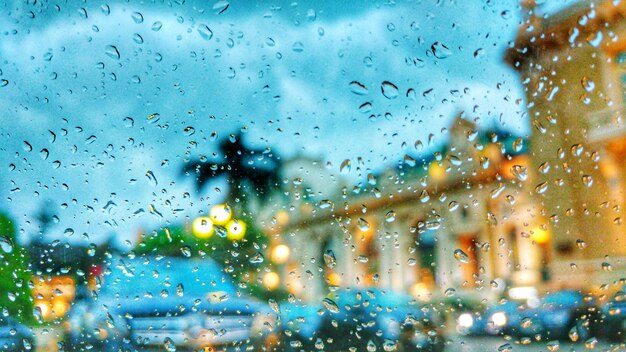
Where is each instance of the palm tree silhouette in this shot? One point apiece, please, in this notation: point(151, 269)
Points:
point(249, 171)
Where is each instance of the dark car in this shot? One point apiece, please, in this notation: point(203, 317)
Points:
point(364, 318)
point(560, 315)
point(171, 303)
point(613, 317)
point(15, 336)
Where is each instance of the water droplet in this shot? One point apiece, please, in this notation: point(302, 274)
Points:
point(553, 346)
point(363, 225)
point(461, 256)
point(449, 292)
point(330, 305)
point(345, 166)
point(526, 322)
point(581, 244)
point(257, 258)
point(358, 88)
point(297, 47)
point(329, 259)
point(591, 343)
point(153, 118)
point(595, 39)
point(573, 334)
point(137, 17)
point(186, 251)
point(507, 347)
point(169, 345)
point(440, 50)
point(151, 178)
point(587, 180)
point(607, 267)
point(220, 6)
point(389, 90)
point(390, 216)
point(6, 244)
point(112, 52)
point(541, 188)
point(205, 32)
point(587, 84)
point(156, 26)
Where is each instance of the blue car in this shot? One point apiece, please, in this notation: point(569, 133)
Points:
point(171, 303)
point(15, 336)
point(363, 318)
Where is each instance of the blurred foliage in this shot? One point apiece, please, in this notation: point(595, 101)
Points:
point(243, 259)
point(15, 295)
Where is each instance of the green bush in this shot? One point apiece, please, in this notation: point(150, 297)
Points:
point(15, 294)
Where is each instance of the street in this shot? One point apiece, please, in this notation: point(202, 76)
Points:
point(471, 344)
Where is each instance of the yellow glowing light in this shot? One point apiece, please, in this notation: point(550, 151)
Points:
point(334, 279)
point(60, 307)
point(420, 291)
point(236, 229)
point(540, 235)
point(221, 214)
point(280, 254)
point(271, 280)
point(202, 227)
point(282, 218)
point(437, 172)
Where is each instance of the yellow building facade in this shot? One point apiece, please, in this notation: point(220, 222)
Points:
point(573, 69)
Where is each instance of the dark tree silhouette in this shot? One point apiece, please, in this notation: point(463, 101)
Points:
point(249, 171)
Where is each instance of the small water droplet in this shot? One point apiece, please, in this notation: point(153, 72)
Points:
point(358, 88)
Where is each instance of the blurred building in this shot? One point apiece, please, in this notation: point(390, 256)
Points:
point(459, 219)
point(573, 68)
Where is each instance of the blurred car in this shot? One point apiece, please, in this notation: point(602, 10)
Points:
point(15, 336)
point(559, 315)
point(613, 317)
point(169, 303)
point(492, 321)
point(299, 326)
point(364, 318)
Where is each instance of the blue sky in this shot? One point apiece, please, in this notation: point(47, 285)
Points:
point(80, 82)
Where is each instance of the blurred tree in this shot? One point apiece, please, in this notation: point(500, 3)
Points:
point(249, 171)
point(251, 174)
point(15, 274)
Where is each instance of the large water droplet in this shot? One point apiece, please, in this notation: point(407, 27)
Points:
point(440, 50)
point(358, 88)
point(389, 90)
point(461, 256)
point(205, 32)
point(6, 244)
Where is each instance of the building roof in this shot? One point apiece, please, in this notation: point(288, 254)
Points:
point(570, 26)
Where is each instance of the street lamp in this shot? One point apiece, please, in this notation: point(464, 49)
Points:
point(280, 254)
point(203, 227)
point(271, 280)
point(221, 214)
point(236, 229)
